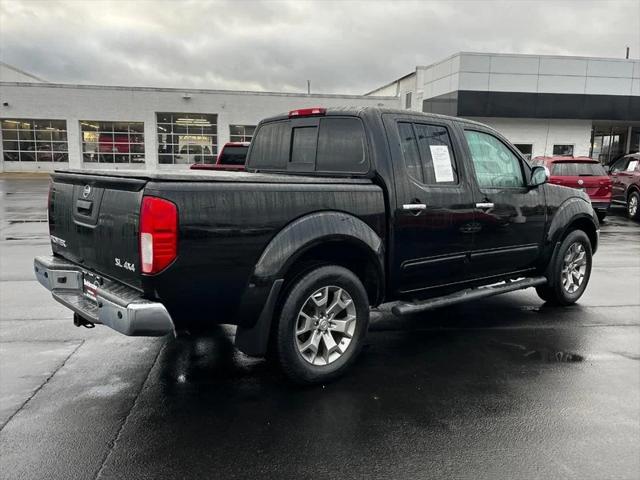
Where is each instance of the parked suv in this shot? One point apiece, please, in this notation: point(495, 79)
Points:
point(625, 179)
point(582, 173)
point(339, 210)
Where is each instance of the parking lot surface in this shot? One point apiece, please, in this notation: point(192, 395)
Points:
point(507, 387)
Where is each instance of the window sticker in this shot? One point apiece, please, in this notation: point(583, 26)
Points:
point(441, 163)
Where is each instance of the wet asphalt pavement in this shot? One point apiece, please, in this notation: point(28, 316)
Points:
point(502, 388)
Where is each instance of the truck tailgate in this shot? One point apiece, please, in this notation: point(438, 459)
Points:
point(93, 221)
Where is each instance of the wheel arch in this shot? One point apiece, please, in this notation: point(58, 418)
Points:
point(573, 214)
point(326, 237)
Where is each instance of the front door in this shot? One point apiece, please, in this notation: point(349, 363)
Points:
point(434, 215)
point(621, 177)
point(511, 216)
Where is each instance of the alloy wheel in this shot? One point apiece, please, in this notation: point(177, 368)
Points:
point(633, 206)
point(325, 325)
point(574, 267)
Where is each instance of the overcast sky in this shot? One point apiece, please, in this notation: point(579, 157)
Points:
point(342, 47)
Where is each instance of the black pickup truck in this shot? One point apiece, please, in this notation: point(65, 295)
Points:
point(339, 210)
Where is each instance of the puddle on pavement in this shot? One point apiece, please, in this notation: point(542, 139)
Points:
point(542, 354)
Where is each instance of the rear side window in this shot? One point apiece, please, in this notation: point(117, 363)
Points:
point(428, 154)
point(341, 146)
point(575, 169)
point(271, 147)
point(410, 153)
point(324, 145)
point(438, 164)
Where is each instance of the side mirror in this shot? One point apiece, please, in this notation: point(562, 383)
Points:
point(539, 176)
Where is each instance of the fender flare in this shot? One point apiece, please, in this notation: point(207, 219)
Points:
point(259, 302)
point(572, 210)
point(568, 212)
point(310, 230)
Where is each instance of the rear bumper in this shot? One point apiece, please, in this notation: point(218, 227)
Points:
point(117, 306)
point(600, 206)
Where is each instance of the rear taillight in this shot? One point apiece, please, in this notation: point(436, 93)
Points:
point(49, 202)
point(158, 234)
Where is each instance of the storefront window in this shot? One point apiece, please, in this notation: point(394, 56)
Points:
point(29, 140)
point(185, 138)
point(610, 141)
point(563, 150)
point(241, 133)
point(112, 142)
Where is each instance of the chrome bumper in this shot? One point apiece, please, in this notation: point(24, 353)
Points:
point(116, 305)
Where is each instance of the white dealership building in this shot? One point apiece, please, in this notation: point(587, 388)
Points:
point(544, 104)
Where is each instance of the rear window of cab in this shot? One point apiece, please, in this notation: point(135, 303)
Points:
point(311, 144)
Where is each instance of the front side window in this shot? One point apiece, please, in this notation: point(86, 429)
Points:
point(620, 165)
point(495, 165)
point(563, 150)
point(241, 133)
point(30, 140)
point(112, 142)
point(185, 138)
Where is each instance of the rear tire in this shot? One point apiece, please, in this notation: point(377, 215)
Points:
point(633, 206)
point(570, 271)
point(601, 216)
point(322, 325)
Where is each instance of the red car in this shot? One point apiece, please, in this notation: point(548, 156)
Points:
point(231, 157)
point(584, 173)
point(625, 179)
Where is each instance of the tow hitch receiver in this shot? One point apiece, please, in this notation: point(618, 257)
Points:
point(78, 321)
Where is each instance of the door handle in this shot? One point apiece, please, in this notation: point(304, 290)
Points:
point(414, 206)
point(484, 205)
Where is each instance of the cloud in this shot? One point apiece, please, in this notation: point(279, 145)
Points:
point(342, 47)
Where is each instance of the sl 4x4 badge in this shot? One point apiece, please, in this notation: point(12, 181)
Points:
point(124, 264)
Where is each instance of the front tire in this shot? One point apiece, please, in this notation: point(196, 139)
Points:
point(633, 206)
point(601, 216)
point(322, 325)
point(570, 270)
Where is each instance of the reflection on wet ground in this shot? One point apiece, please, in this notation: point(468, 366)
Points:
point(505, 387)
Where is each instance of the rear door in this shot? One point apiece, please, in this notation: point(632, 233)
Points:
point(511, 216)
point(93, 221)
point(434, 219)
